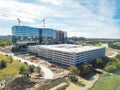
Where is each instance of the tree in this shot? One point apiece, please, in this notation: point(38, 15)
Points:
point(73, 70)
point(73, 78)
point(99, 63)
point(118, 65)
point(85, 69)
point(38, 70)
point(3, 64)
point(3, 45)
point(23, 70)
point(31, 68)
point(118, 56)
point(111, 68)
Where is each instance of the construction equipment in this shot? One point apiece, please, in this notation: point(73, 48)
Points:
point(19, 21)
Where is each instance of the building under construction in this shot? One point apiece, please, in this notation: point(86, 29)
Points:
point(22, 36)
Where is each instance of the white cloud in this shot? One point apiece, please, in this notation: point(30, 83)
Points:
point(5, 31)
point(11, 10)
point(54, 2)
point(89, 18)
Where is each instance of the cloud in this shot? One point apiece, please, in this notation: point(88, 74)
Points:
point(89, 18)
point(11, 10)
point(54, 2)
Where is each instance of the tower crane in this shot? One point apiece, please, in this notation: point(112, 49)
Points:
point(44, 21)
point(19, 21)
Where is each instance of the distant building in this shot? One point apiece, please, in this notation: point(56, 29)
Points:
point(105, 45)
point(73, 40)
point(67, 54)
point(116, 43)
point(5, 37)
point(23, 36)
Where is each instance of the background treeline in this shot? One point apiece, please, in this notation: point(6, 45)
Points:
point(114, 46)
point(5, 42)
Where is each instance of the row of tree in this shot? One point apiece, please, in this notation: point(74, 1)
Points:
point(5, 42)
point(27, 70)
point(114, 46)
point(113, 64)
point(82, 69)
point(86, 68)
point(108, 64)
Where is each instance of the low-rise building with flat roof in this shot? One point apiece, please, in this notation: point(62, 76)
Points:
point(67, 54)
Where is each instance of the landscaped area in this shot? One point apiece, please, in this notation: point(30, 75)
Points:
point(73, 86)
point(10, 69)
point(108, 82)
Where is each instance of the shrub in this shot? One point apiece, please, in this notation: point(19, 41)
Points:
point(38, 70)
point(3, 64)
point(111, 68)
point(118, 56)
point(118, 65)
point(74, 70)
point(31, 68)
point(23, 70)
point(73, 78)
point(99, 63)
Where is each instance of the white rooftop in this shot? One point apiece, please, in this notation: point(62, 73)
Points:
point(70, 48)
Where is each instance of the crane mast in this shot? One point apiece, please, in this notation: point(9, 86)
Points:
point(19, 21)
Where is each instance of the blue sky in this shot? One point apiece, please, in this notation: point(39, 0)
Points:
point(84, 18)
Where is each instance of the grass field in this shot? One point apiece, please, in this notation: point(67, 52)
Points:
point(72, 86)
point(11, 69)
point(108, 82)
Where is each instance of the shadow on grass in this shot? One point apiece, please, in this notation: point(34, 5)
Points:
point(89, 76)
point(117, 72)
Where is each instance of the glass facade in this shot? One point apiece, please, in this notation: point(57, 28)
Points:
point(25, 35)
point(29, 36)
point(61, 37)
point(48, 36)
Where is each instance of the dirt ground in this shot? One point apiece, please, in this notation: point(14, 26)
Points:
point(109, 53)
point(24, 83)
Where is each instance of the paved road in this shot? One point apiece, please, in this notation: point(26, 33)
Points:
point(48, 74)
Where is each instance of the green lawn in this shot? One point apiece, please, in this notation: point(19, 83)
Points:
point(108, 82)
point(11, 69)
